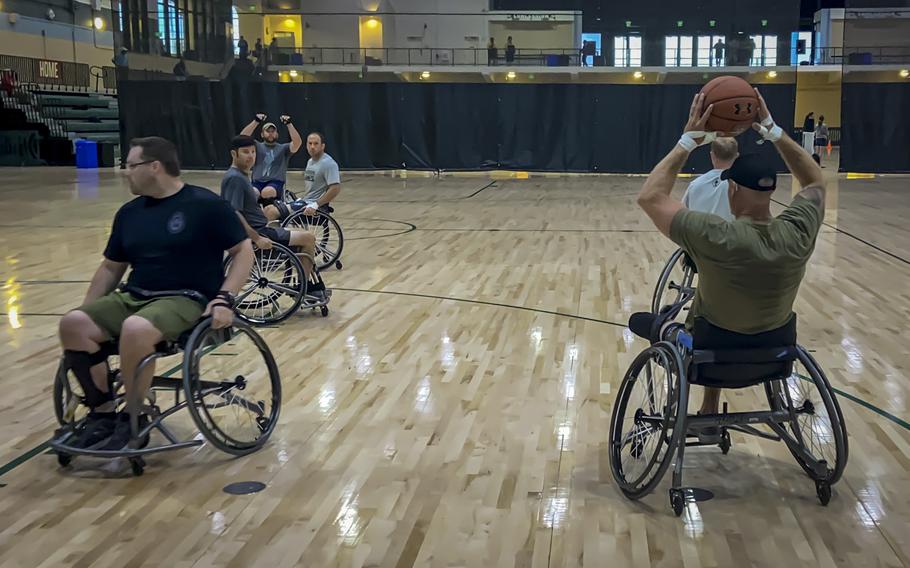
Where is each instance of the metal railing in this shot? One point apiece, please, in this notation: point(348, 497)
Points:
point(569, 57)
point(430, 56)
point(858, 55)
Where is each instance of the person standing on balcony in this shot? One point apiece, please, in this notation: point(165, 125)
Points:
point(243, 48)
point(719, 53)
point(510, 50)
point(492, 52)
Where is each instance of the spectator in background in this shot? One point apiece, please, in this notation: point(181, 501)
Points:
point(750, 56)
point(492, 52)
point(243, 48)
point(821, 136)
point(719, 52)
point(272, 58)
point(588, 49)
point(121, 64)
point(120, 59)
point(510, 50)
point(257, 50)
point(180, 69)
point(809, 133)
point(809, 123)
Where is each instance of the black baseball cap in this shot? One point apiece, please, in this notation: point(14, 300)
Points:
point(753, 172)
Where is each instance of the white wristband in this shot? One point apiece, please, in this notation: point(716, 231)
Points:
point(687, 142)
point(773, 134)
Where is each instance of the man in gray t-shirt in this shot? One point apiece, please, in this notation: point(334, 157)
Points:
point(323, 181)
point(238, 191)
point(270, 172)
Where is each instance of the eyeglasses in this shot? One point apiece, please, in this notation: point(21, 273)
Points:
point(133, 166)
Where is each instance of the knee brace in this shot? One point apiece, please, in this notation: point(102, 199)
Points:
point(81, 363)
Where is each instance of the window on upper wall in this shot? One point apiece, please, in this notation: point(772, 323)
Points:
point(235, 26)
point(678, 51)
point(171, 26)
point(765, 52)
point(627, 51)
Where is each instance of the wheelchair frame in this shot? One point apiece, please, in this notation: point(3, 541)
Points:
point(258, 280)
point(194, 390)
point(676, 356)
point(327, 222)
point(665, 284)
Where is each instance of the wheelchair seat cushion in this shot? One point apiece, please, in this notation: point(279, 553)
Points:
point(727, 359)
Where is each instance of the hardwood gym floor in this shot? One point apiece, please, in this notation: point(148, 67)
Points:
point(453, 408)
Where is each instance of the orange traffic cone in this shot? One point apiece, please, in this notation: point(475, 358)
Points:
point(829, 147)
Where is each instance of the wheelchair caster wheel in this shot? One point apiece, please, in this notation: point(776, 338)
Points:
point(64, 459)
point(677, 501)
point(725, 442)
point(138, 466)
point(823, 490)
point(338, 264)
point(324, 311)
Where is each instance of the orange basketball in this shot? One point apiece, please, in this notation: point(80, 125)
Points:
point(735, 105)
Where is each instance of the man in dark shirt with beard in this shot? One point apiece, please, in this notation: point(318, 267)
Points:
point(173, 236)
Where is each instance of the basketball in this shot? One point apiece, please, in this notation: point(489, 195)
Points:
point(735, 105)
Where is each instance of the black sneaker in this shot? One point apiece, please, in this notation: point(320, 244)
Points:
point(95, 431)
point(120, 439)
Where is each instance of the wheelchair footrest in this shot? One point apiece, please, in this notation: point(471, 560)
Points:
point(60, 447)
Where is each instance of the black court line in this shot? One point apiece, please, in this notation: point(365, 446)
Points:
point(860, 239)
point(491, 184)
point(853, 398)
point(481, 302)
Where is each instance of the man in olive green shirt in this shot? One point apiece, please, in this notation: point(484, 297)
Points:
point(750, 269)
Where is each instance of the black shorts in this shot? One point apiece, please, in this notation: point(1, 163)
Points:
point(823, 142)
point(278, 235)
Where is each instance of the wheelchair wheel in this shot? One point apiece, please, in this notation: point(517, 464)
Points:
point(817, 423)
point(643, 432)
point(675, 276)
point(275, 289)
point(329, 238)
point(235, 391)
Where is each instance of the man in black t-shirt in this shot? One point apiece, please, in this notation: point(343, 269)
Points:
point(237, 190)
point(173, 237)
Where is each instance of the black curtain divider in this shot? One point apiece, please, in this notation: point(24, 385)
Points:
point(460, 126)
point(875, 127)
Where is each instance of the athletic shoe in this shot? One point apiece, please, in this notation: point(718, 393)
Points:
point(120, 439)
point(95, 431)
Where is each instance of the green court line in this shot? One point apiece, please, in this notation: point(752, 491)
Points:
point(19, 460)
point(881, 412)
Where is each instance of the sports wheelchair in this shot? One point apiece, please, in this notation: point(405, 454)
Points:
point(329, 237)
point(234, 409)
point(276, 289)
point(678, 274)
point(650, 421)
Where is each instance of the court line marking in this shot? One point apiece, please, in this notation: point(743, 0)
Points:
point(852, 236)
point(40, 448)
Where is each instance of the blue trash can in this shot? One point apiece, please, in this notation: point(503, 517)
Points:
point(86, 154)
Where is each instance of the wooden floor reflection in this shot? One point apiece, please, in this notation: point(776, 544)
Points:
point(453, 408)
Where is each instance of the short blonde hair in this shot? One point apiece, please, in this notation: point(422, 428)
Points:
point(725, 148)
